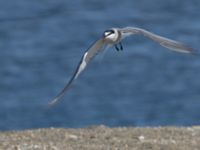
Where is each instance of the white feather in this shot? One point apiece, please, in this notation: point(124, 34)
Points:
point(82, 66)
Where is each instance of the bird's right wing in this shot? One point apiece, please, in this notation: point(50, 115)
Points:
point(89, 54)
point(168, 43)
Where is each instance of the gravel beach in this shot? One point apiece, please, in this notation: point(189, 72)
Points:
point(103, 138)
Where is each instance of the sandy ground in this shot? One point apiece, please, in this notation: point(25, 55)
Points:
point(103, 138)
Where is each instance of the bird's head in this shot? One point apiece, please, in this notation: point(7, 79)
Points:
point(111, 35)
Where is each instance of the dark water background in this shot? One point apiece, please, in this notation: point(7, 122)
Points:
point(41, 43)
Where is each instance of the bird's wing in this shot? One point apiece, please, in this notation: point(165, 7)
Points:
point(168, 43)
point(89, 54)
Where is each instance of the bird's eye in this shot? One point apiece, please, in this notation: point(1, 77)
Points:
point(112, 31)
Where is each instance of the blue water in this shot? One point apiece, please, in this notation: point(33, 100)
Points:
point(41, 43)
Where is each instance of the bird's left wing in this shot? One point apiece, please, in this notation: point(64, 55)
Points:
point(168, 43)
point(89, 54)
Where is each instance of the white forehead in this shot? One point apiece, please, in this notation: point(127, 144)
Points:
point(111, 36)
point(106, 33)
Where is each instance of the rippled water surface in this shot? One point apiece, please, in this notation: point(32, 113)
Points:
point(41, 43)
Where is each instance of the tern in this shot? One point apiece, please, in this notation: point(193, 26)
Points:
point(113, 37)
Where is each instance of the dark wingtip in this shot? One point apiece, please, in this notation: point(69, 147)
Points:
point(195, 53)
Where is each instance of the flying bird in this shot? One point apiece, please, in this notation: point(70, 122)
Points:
point(113, 37)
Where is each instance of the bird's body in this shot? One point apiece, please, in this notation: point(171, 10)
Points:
point(113, 37)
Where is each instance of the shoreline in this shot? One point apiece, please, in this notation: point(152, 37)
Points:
point(103, 138)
